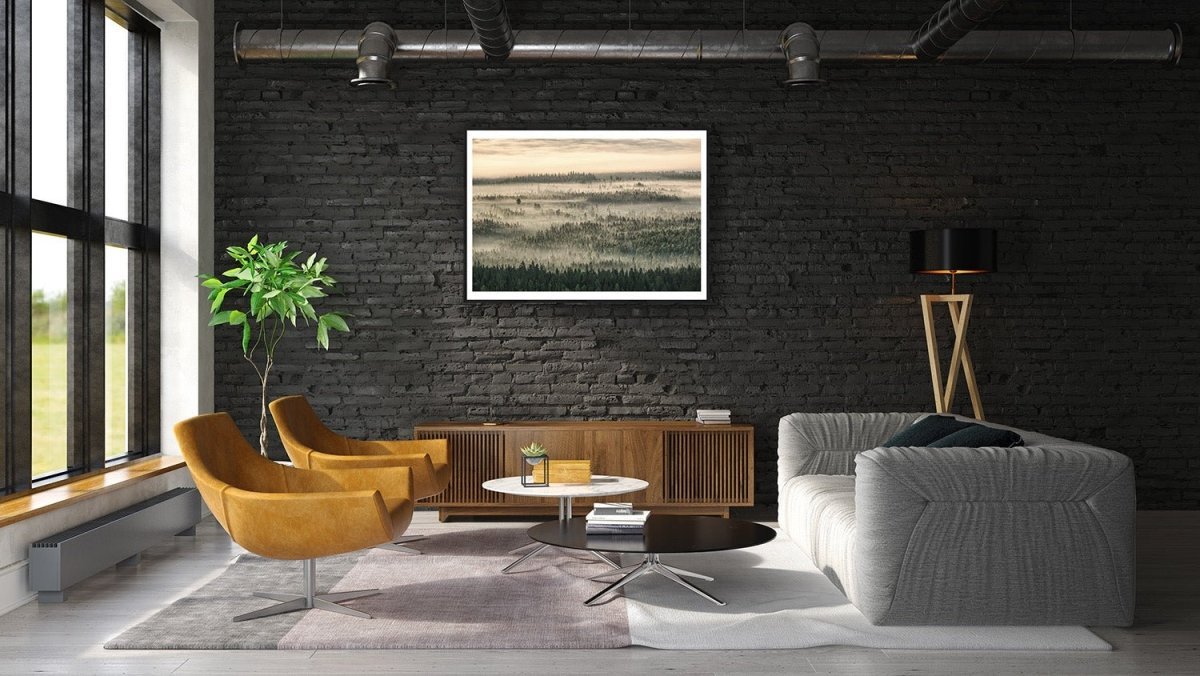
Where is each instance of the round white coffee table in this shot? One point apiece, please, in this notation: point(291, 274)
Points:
point(600, 486)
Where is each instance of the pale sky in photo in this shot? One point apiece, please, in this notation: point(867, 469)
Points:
point(492, 158)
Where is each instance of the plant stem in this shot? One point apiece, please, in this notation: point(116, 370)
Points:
point(262, 418)
point(271, 343)
point(262, 378)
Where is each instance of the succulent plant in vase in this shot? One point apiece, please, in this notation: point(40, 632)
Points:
point(534, 454)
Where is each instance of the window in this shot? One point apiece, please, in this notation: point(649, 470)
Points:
point(116, 352)
point(78, 244)
point(48, 338)
point(50, 107)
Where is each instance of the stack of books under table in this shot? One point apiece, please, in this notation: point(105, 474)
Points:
point(616, 518)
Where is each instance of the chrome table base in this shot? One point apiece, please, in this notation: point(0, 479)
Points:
point(564, 512)
point(543, 547)
point(652, 564)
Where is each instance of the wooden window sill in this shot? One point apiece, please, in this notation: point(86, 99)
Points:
point(41, 500)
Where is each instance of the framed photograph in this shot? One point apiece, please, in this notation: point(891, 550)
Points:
point(587, 215)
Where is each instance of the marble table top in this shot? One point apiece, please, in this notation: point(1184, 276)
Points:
point(601, 485)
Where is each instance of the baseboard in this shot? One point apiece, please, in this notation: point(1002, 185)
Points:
point(14, 587)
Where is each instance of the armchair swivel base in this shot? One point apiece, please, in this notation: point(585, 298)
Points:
point(309, 600)
point(399, 545)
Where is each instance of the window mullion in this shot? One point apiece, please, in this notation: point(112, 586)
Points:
point(140, 260)
point(94, 206)
point(16, 281)
point(85, 363)
point(146, 311)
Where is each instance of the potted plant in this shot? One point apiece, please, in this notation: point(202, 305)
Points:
point(276, 292)
point(534, 454)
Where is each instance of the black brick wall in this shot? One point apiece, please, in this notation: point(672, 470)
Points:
point(1091, 174)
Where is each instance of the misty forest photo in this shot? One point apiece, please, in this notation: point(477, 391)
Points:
point(586, 215)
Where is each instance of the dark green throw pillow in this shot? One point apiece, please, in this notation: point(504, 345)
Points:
point(927, 429)
point(977, 436)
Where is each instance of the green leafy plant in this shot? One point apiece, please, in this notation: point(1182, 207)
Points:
point(276, 292)
point(533, 450)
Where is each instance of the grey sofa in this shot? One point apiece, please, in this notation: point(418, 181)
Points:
point(1040, 534)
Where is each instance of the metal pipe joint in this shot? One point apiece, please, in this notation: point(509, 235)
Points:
point(376, 46)
point(802, 50)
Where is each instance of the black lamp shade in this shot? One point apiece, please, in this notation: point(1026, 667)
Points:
point(961, 251)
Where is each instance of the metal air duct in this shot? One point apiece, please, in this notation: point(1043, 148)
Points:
point(376, 46)
point(695, 46)
point(950, 24)
point(489, 18)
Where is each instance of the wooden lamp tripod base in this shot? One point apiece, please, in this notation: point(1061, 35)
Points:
point(960, 357)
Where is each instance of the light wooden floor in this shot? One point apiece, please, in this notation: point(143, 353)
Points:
point(67, 638)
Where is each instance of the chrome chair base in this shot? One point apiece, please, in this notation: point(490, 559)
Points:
point(309, 600)
point(652, 564)
point(399, 545)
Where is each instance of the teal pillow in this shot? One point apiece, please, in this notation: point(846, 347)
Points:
point(927, 429)
point(977, 436)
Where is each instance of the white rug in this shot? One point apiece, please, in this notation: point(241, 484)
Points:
point(777, 599)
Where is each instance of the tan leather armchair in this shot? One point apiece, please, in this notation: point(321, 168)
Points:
point(312, 445)
point(282, 512)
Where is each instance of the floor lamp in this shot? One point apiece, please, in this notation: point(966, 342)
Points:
point(952, 251)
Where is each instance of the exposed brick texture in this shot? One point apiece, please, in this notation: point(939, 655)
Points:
point(1091, 174)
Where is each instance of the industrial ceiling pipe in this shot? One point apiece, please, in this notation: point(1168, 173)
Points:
point(489, 18)
point(950, 24)
point(376, 46)
point(686, 46)
point(802, 51)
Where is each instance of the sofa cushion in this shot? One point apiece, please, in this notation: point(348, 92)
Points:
point(826, 443)
point(1030, 438)
point(926, 430)
point(978, 436)
point(817, 513)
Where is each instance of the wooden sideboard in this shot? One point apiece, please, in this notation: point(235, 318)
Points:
point(691, 468)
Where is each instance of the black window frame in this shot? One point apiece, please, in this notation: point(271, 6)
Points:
point(88, 230)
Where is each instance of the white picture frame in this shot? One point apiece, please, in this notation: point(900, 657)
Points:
point(622, 212)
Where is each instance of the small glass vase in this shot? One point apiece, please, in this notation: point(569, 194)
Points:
point(527, 479)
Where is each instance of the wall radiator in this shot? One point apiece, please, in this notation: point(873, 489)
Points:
point(61, 560)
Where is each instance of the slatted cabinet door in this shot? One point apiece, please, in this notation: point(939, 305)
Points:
point(708, 467)
point(475, 457)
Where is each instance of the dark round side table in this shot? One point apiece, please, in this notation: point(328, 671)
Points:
point(663, 534)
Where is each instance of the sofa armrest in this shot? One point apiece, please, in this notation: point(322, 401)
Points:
point(1038, 473)
point(1027, 535)
point(826, 443)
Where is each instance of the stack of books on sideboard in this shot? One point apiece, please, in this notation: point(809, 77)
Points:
point(717, 416)
point(616, 518)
